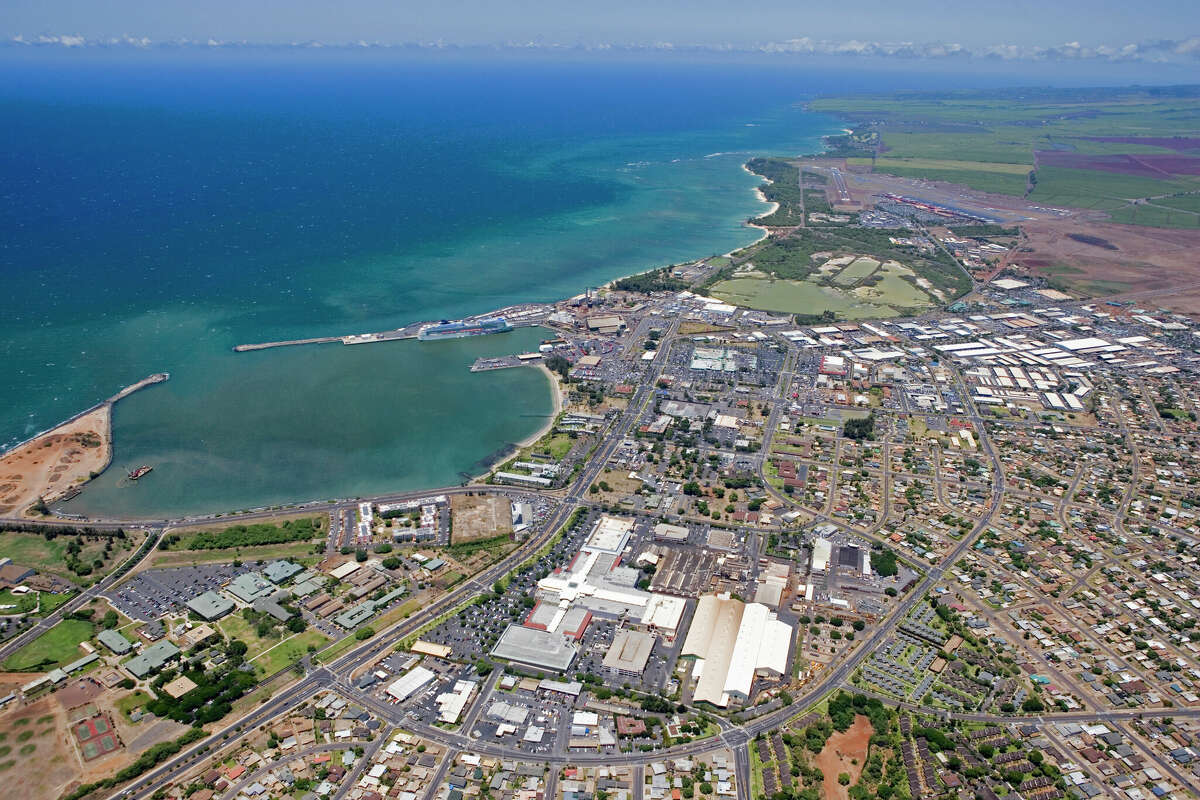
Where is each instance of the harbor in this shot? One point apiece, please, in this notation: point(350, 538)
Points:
point(503, 320)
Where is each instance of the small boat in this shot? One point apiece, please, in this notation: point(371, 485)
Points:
point(139, 472)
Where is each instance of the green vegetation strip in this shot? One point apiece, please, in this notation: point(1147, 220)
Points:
point(294, 530)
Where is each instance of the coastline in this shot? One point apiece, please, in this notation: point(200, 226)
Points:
point(555, 385)
point(70, 464)
point(557, 397)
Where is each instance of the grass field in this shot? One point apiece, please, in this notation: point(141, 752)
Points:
point(1064, 186)
point(54, 648)
point(884, 164)
point(858, 269)
point(235, 627)
point(796, 297)
point(337, 649)
point(25, 603)
point(1185, 203)
point(983, 181)
point(301, 552)
point(134, 700)
point(1155, 216)
point(289, 651)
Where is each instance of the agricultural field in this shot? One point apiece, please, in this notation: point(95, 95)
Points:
point(54, 648)
point(1093, 149)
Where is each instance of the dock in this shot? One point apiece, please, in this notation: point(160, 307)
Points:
point(521, 316)
point(506, 362)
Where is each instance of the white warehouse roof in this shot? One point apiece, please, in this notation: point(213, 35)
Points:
point(733, 642)
point(410, 683)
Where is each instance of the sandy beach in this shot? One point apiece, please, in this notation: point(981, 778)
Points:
point(53, 463)
point(556, 393)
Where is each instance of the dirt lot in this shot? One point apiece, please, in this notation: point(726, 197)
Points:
point(55, 462)
point(844, 752)
point(39, 758)
point(479, 517)
point(1100, 259)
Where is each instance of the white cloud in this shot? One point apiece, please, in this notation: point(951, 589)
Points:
point(1184, 50)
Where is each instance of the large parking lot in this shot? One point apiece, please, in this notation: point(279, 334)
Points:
point(151, 594)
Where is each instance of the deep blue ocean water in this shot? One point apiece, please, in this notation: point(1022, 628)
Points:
point(157, 209)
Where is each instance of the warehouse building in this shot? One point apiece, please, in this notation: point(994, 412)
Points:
point(733, 642)
point(409, 683)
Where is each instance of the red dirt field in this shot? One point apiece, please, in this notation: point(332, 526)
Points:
point(1145, 165)
point(1172, 142)
point(1145, 260)
point(844, 752)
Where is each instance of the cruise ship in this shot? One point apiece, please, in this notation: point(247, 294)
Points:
point(457, 330)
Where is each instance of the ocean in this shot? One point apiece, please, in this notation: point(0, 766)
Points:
point(159, 209)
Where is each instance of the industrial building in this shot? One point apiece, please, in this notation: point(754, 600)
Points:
point(732, 643)
point(821, 553)
point(451, 704)
point(594, 584)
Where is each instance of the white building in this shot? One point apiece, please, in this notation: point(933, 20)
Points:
point(732, 643)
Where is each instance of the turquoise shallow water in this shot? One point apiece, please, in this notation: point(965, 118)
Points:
point(155, 218)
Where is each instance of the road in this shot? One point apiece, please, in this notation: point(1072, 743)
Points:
point(336, 675)
point(83, 598)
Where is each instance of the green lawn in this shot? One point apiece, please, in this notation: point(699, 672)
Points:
point(25, 603)
point(235, 626)
point(337, 649)
point(289, 651)
point(796, 297)
point(54, 648)
point(133, 700)
point(555, 445)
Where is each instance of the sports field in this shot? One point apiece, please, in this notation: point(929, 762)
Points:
point(54, 648)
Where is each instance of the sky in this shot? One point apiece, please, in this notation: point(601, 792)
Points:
point(972, 24)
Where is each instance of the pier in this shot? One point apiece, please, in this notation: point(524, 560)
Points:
point(521, 316)
point(506, 362)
